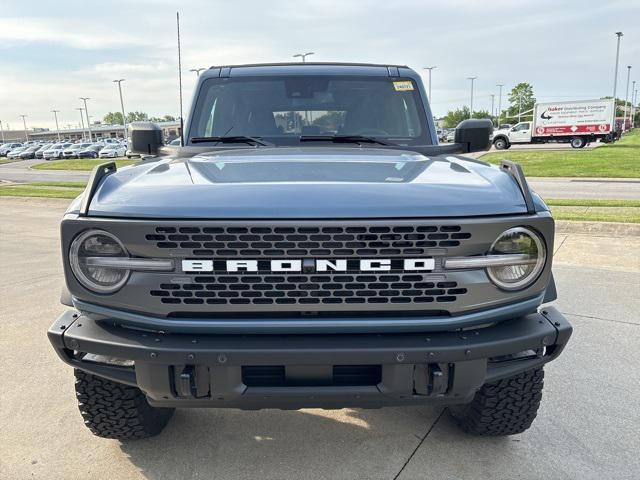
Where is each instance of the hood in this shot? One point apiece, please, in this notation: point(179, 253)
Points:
point(307, 182)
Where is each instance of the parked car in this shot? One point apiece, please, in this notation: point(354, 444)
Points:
point(55, 152)
point(450, 136)
point(131, 154)
point(29, 152)
point(72, 151)
point(110, 141)
point(113, 151)
point(7, 147)
point(91, 151)
point(41, 150)
point(15, 153)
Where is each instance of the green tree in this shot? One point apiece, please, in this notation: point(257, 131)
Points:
point(113, 118)
point(522, 100)
point(137, 117)
point(481, 114)
point(454, 117)
point(619, 105)
point(166, 118)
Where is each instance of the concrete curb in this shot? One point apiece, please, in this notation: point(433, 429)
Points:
point(612, 229)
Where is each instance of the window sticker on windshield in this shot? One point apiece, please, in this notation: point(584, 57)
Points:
point(403, 86)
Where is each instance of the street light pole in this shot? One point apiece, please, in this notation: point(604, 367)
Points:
point(493, 100)
point(124, 116)
point(86, 112)
point(81, 120)
point(303, 56)
point(499, 102)
point(471, 106)
point(197, 70)
point(615, 76)
point(55, 114)
point(2, 131)
point(24, 122)
point(430, 68)
point(626, 97)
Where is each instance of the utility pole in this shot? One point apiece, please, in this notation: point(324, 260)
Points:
point(499, 102)
point(2, 131)
point(471, 105)
point(124, 116)
point(197, 70)
point(81, 121)
point(615, 76)
point(86, 112)
point(430, 68)
point(24, 122)
point(303, 56)
point(493, 99)
point(55, 114)
point(626, 97)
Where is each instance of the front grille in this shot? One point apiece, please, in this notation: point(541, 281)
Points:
point(333, 241)
point(294, 289)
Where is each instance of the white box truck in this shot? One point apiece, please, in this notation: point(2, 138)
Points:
point(577, 122)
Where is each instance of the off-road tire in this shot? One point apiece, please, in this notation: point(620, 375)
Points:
point(505, 407)
point(115, 410)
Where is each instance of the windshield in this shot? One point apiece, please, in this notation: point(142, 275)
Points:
point(282, 109)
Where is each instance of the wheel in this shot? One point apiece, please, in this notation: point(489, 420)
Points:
point(577, 142)
point(500, 144)
point(505, 407)
point(94, 155)
point(114, 410)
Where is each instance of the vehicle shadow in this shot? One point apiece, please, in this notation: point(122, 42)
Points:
point(275, 444)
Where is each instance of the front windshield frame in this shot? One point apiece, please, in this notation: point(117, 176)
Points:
point(202, 107)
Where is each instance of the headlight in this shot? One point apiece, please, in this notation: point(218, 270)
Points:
point(519, 241)
point(95, 275)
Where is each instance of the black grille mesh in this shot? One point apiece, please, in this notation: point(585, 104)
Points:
point(295, 242)
point(299, 289)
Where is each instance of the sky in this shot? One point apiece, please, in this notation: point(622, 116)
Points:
point(51, 53)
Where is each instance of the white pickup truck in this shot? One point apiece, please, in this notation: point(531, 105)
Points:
point(576, 122)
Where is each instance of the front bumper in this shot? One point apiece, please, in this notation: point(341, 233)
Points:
point(299, 371)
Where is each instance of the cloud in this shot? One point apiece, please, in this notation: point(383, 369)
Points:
point(71, 33)
point(124, 68)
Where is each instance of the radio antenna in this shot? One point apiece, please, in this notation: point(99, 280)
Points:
point(180, 82)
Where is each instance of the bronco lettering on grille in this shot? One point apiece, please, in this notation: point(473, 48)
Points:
point(310, 265)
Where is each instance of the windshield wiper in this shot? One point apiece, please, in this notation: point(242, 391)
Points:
point(233, 139)
point(342, 139)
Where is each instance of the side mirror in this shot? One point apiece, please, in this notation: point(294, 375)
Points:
point(145, 138)
point(474, 135)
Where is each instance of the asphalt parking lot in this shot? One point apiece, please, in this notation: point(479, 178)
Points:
point(587, 427)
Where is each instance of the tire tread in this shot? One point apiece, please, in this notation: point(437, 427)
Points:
point(118, 411)
point(505, 407)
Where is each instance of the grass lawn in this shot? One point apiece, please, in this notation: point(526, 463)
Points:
point(82, 164)
point(4, 160)
point(627, 211)
point(618, 160)
point(43, 189)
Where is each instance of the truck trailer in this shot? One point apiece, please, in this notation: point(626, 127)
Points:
point(577, 122)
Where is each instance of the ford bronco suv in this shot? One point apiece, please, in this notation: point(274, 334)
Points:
point(309, 244)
